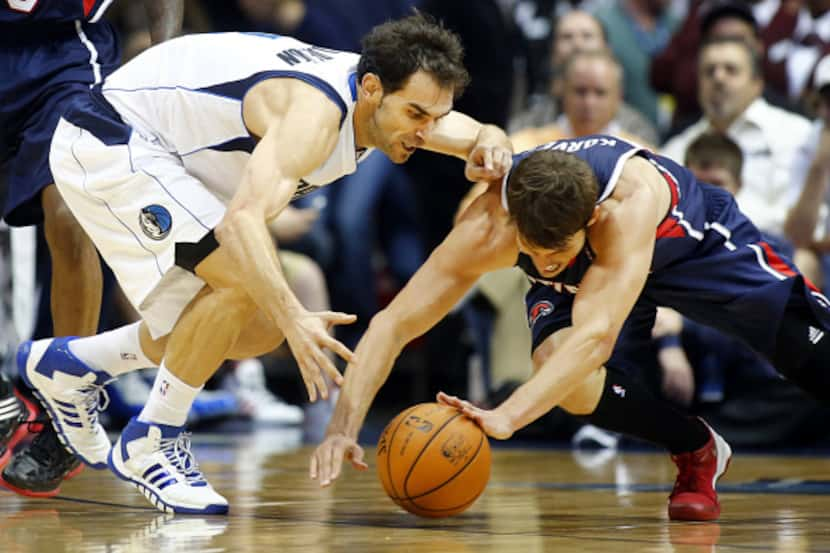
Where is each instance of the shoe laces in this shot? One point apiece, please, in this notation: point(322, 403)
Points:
point(93, 398)
point(178, 452)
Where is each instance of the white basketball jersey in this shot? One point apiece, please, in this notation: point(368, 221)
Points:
point(187, 94)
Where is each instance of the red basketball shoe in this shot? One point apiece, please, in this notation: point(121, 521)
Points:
point(694, 496)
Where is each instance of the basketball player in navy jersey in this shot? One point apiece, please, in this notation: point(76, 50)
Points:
point(606, 231)
point(54, 50)
point(175, 165)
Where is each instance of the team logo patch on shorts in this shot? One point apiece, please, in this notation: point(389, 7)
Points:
point(155, 221)
point(540, 309)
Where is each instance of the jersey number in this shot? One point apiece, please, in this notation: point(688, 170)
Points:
point(25, 6)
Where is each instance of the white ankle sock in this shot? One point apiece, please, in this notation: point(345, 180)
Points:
point(169, 401)
point(115, 352)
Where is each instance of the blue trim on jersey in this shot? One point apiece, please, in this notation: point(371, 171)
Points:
point(99, 118)
point(271, 36)
point(353, 85)
point(238, 89)
point(238, 144)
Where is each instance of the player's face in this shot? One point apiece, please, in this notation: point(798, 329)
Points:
point(727, 85)
point(550, 262)
point(404, 119)
point(591, 95)
point(576, 30)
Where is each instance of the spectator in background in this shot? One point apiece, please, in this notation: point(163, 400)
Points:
point(729, 73)
point(674, 70)
point(637, 30)
point(807, 222)
point(591, 98)
point(575, 31)
point(796, 53)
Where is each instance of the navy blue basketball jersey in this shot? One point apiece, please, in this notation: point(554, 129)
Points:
point(710, 262)
point(16, 12)
point(50, 52)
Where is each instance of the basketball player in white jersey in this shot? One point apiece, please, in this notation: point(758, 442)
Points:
point(174, 167)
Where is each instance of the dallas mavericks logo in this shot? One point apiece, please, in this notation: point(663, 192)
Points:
point(155, 221)
point(540, 309)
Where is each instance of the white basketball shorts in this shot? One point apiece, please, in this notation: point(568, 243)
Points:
point(136, 201)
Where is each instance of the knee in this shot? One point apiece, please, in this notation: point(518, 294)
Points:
point(583, 400)
point(234, 306)
point(64, 235)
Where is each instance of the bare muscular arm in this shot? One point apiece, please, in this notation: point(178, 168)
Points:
point(485, 148)
point(299, 127)
point(606, 296)
point(482, 240)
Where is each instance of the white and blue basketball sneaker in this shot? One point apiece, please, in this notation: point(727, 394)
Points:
point(156, 458)
point(72, 393)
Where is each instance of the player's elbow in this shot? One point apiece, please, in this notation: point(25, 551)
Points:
point(390, 329)
point(232, 225)
point(601, 338)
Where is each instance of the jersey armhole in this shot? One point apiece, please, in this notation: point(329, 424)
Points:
point(312, 80)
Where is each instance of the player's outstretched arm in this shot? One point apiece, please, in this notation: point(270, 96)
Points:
point(298, 127)
point(623, 239)
point(481, 241)
point(486, 148)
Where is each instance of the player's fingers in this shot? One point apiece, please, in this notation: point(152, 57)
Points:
point(308, 380)
point(325, 462)
point(446, 400)
point(310, 373)
point(339, 348)
point(336, 461)
point(326, 367)
point(312, 471)
point(488, 159)
point(357, 458)
point(337, 318)
point(320, 382)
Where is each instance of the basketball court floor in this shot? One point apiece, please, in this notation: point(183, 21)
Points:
point(537, 501)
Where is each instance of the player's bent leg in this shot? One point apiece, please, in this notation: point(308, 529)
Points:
point(622, 405)
point(260, 337)
point(153, 452)
point(77, 281)
point(803, 348)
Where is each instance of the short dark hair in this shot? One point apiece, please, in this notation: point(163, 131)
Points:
point(551, 195)
point(716, 149)
point(395, 50)
point(755, 59)
point(722, 9)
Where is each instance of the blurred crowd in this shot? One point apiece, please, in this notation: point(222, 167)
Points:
point(738, 91)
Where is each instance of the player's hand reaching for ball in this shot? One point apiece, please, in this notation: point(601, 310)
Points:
point(307, 338)
point(327, 459)
point(495, 424)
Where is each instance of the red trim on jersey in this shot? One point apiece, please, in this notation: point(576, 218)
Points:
point(670, 228)
point(781, 266)
point(88, 5)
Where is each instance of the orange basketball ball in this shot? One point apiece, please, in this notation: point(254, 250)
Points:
point(433, 461)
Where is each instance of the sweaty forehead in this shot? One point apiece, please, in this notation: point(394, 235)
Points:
point(423, 91)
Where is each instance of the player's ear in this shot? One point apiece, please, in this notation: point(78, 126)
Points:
point(594, 216)
point(371, 87)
